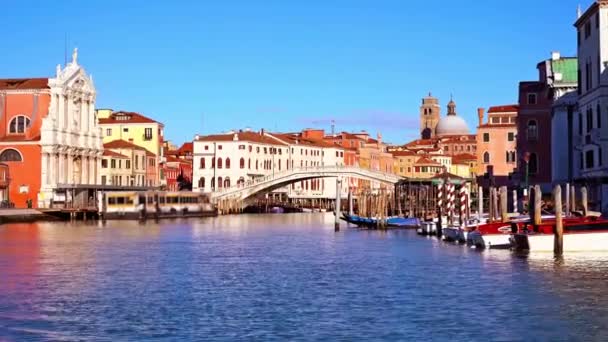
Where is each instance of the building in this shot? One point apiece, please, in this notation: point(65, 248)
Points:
point(178, 173)
point(139, 130)
point(590, 134)
point(50, 139)
point(557, 76)
point(464, 166)
point(124, 164)
point(496, 145)
point(429, 117)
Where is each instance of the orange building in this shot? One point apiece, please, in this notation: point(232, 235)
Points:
point(49, 138)
point(496, 144)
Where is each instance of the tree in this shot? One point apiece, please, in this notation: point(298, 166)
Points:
point(183, 183)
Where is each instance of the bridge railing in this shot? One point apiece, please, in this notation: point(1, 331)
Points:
point(286, 173)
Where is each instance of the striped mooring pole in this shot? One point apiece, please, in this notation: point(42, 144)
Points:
point(463, 205)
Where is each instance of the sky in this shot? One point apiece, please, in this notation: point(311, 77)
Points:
point(203, 67)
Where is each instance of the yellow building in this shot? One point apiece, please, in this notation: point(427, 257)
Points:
point(123, 164)
point(464, 165)
point(136, 129)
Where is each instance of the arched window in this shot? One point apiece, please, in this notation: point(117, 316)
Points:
point(242, 163)
point(212, 184)
point(227, 163)
point(533, 164)
point(219, 164)
point(241, 182)
point(227, 182)
point(486, 157)
point(256, 164)
point(201, 182)
point(202, 166)
point(18, 124)
point(10, 155)
point(532, 130)
point(213, 163)
point(249, 163)
point(279, 164)
point(219, 182)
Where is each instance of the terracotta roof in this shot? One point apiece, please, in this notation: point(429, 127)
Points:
point(426, 161)
point(464, 158)
point(242, 136)
point(24, 83)
point(108, 153)
point(447, 174)
point(122, 144)
point(126, 118)
point(419, 142)
point(500, 125)
point(292, 138)
point(503, 109)
point(403, 153)
point(457, 138)
point(186, 147)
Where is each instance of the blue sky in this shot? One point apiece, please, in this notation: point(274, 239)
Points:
point(210, 66)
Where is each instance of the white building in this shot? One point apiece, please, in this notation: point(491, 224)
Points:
point(591, 134)
point(233, 158)
point(70, 138)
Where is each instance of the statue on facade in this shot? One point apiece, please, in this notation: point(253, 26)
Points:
point(75, 56)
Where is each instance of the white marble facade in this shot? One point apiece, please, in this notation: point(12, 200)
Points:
point(70, 136)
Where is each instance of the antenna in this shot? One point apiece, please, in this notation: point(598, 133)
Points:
point(333, 127)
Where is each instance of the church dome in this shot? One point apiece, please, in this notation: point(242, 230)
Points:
point(451, 125)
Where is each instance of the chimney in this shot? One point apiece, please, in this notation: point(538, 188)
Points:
point(555, 56)
point(480, 115)
point(196, 137)
point(262, 131)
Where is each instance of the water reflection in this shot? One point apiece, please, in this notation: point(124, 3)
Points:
point(284, 277)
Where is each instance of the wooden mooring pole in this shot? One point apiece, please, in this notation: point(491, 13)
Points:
point(584, 201)
point(538, 195)
point(567, 211)
point(337, 212)
point(504, 212)
point(558, 239)
point(480, 202)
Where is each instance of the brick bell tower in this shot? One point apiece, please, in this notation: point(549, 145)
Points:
point(429, 116)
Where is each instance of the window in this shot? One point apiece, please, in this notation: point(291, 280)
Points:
point(486, 137)
point(511, 136)
point(219, 147)
point(148, 134)
point(242, 163)
point(250, 148)
point(447, 148)
point(202, 163)
point(249, 163)
point(241, 147)
point(206, 147)
point(533, 164)
point(598, 114)
point(10, 155)
point(495, 120)
point(103, 178)
point(220, 183)
point(113, 163)
point(213, 163)
point(589, 159)
point(265, 150)
point(532, 130)
point(510, 156)
point(18, 124)
point(227, 182)
point(599, 156)
point(120, 163)
point(257, 149)
point(212, 183)
point(531, 98)
point(589, 120)
point(108, 132)
point(227, 163)
point(104, 163)
point(580, 123)
point(486, 157)
point(128, 164)
point(126, 130)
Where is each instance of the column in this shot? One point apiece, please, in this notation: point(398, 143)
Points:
point(60, 162)
point(45, 169)
point(66, 112)
point(69, 168)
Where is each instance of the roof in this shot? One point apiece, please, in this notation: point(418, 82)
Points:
point(108, 153)
point(403, 153)
point(463, 158)
point(590, 11)
point(446, 174)
point(122, 144)
point(172, 159)
point(293, 139)
point(150, 154)
point(242, 136)
point(24, 83)
point(186, 147)
point(567, 67)
point(497, 125)
point(504, 109)
point(122, 117)
point(426, 161)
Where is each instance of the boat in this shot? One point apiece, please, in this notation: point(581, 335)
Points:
point(497, 235)
point(585, 234)
point(395, 222)
point(427, 228)
point(276, 210)
point(455, 233)
point(141, 205)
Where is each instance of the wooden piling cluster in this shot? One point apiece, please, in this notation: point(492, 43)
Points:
point(378, 204)
point(226, 206)
point(416, 199)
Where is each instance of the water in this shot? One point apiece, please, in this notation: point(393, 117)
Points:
point(285, 277)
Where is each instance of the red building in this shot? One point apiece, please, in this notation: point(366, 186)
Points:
point(176, 167)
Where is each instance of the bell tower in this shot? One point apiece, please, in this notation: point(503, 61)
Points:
point(429, 116)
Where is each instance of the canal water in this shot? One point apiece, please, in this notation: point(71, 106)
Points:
point(285, 277)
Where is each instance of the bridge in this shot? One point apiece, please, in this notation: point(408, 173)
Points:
point(278, 180)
